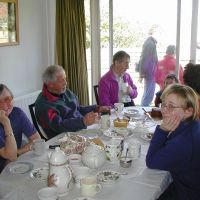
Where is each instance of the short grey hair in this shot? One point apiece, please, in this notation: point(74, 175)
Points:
point(2, 87)
point(171, 50)
point(50, 72)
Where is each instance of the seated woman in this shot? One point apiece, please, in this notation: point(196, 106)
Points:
point(170, 79)
point(116, 86)
point(175, 144)
point(13, 122)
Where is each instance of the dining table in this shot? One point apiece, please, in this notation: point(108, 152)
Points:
point(136, 182)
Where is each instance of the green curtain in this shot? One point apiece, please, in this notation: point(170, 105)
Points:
point(70, 45)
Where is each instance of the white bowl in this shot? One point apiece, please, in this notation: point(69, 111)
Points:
point(48, 193)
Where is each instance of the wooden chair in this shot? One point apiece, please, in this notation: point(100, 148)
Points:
point(95, 87)
point(35, 123)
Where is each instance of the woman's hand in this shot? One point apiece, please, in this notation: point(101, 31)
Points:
point(3, 118)
point(171, 123)
point(129, 89)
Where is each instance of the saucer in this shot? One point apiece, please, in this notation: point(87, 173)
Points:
point(83, 198)
point(20, 167)
point(40, 173)
point(118, 132)
point(131, 112)
point(108, 177)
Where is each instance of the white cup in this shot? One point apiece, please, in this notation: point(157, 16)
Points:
point(113, 150)
point(48, 193)
point(39, 147)
point(105, 121)
point(80, 172)
point(134, 149)
point(118, 108)
point(89, 186)
point(124, 87)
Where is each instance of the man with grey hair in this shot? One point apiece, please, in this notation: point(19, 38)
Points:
point(167, 66)
point(57, 109)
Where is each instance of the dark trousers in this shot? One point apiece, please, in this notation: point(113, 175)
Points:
point(129, 104)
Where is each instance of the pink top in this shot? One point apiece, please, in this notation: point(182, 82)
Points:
point(165, 67)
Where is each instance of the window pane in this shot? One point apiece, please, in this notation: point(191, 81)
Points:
point(185, 32)
point(104, 26)
point(131, 28)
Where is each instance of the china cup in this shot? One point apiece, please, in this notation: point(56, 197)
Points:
point(113, 150)
point(118, 108)
point(89, 186)
point(134, 149)
point(105, 121)
point(38, 147)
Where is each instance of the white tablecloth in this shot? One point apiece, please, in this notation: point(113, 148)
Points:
point(140, 182)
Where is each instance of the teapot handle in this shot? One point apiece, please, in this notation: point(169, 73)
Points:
point(71, 179)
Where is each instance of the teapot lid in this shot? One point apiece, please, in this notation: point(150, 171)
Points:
point(58, 157)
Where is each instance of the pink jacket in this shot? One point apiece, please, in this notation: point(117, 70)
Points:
point(108, 88)
point(165, 67)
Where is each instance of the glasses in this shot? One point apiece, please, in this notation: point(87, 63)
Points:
point(169, 107)
point(6, 100)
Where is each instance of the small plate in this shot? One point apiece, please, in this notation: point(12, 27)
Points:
point(20, 167)
point(40, 173)
point(83, 198)
point(148, 137)
point(118, 132)
point(90, 133)
point(131, 112)
point(144, 124)
point(108, 177)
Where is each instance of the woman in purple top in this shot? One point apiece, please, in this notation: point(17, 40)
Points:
point(117, 85)
point(175, 146)
point(13, 122)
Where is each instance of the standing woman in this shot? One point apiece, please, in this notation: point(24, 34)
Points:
point(175, 146)
point(147, 65)
point(13, 122)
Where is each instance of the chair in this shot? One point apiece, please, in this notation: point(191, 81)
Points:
point(35, 123)
point(95, 87)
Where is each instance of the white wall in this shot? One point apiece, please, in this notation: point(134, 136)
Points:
point(21, 65)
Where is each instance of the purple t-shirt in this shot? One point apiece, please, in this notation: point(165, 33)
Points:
point(20, 124)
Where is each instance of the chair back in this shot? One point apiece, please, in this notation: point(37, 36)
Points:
point(95, 87)
point(35, 123)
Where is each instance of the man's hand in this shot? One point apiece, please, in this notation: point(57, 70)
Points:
point(104, 109)
point(90, 118)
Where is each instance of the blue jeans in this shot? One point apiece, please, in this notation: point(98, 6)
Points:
point(149, 92)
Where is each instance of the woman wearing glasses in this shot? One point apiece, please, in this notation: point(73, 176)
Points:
point(175, 146)
point(13, 122)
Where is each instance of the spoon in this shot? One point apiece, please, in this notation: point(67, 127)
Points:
point(126, 153)
point(122, 145)
point(147, 114)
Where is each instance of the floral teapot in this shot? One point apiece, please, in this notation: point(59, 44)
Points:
point(58, 166)
point(94, 156)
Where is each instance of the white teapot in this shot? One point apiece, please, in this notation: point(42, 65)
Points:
point(58, 166)
point(94, 156)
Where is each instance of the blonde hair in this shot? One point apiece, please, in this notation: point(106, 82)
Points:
point(187, 95)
